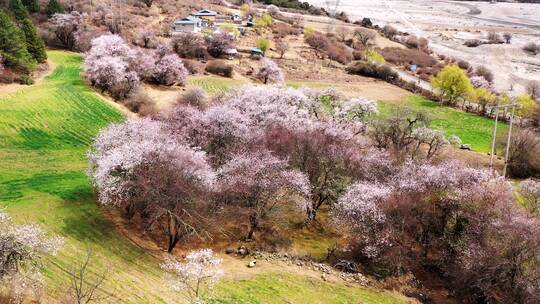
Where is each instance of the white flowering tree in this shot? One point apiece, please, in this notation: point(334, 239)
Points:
point(109, 66)
point(530, 190)
point(257, 182)
point(139, 167)
point(270, 72)
point(21, 247)
point(195, 276)
point(170, 70)
point(360, 210)
point(433, 139)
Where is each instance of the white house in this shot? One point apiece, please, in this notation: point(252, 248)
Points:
point(188, 24)
point(206, 15)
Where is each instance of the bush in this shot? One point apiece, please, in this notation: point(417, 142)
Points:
point(401, 56)
point(263, 44)
point(473, 43)
point(368, 69)
point(339, 53)
point(494, 37)
point(484, 72)
point(414, 42)
point(532, 48)
point(465, 65)
point(524, 154)
point(195, 97)
point(189, 45)
point(53, 7)
point(139, 102)
point(281, 30)
point(219, 68)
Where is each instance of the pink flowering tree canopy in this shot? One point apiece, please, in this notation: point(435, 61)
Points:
point(270, 72)
point(139, 167)
point(258, 182)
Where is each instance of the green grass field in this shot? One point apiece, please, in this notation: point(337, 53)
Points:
point(45, 131)
point(472, 129)
point(214, 84)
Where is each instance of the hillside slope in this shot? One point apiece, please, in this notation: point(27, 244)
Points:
point(45, 131)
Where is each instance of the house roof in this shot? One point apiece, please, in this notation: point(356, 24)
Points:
point(205, 12)
point(188, 20)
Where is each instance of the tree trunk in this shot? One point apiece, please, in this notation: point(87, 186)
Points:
point(253, 225)
point(173, 233)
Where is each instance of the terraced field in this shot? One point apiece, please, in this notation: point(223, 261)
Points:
point(45, 131)
point(214, 84)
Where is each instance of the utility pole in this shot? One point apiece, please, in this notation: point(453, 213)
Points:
point(505, 107)
point(508, 141)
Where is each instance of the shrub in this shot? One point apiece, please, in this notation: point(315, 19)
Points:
point(389, 31)
point(524, 154)
point(189, 45)
point(465, 65)
point(139, 102)
point(219, 68)
point(401, 56)
point(318, 42)
point(53, 7)
point(281, 30)
point(195, 97)
point(484, 72)
point(532, 48)
point(383, 72)
point(339, 52)
point(217, 43)
point(507, 37)
point(533, 89)
point(263, 44)
point(373, 56)
point(494, 37)
point(473, 43)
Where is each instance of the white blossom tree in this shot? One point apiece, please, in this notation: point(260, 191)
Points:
point(195, 276)
point(257, 182)
point(530, 190)
point(360, 210)
point(170, 70)
point(109, 66)
point(270, 72)
point(21, 247)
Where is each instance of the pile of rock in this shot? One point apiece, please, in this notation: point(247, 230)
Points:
point(300, 261)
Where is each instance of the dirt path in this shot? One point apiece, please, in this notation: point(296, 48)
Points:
point(6, 89)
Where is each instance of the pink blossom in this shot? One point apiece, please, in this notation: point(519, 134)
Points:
point(270, 72)
point(170, 70)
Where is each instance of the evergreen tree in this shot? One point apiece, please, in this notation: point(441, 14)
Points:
point(18, 10)
point(31, 5)
point(34, 43)
point(12, 44)
point(53, 7)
